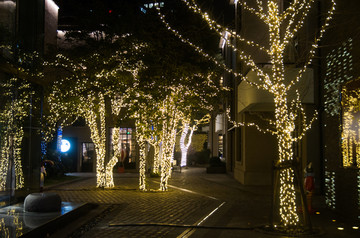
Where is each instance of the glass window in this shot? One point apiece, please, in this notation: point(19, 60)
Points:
point(221, 145)
point(126, 143)
point(350, 135)
point(87, 156)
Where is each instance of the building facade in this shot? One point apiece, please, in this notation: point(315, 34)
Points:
point(340, 102)
point(26, 26)
point(330, 86)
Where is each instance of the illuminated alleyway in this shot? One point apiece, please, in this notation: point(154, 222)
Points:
point(219, 205)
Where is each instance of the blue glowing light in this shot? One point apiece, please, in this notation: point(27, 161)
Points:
point(65, 145)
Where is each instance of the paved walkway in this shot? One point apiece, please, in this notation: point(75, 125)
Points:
point(194, 206)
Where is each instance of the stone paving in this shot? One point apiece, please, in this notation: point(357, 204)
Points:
point(196, 205)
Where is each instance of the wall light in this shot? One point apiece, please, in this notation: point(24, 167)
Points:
point(65, 146)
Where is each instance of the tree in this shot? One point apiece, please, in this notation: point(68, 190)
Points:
point(188, 129)
point(167, 60)
point(94, 87)
point(156, 121)
point(158, 114)
point(175, 77)
point(17, 94)
point(282, 27)
point(143, 109)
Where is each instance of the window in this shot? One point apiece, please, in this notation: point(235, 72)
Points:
point(155, 4)
point(350, 135)
point(87, 156)
point(221, 145)
point(339, 67)
point(126, 143)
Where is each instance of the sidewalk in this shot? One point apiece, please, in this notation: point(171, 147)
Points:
point(196, 205)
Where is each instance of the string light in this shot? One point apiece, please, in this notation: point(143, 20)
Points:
point(117, 154)
point(339, 64)
point(185, 144)
point(83, 91)
point(142, 160)
point(17, 94)
point(157, 120)
point(287, 112)
point(169, 125)
point(330, 184)
point(350, 144)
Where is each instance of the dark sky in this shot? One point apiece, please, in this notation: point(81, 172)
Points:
point(70, 10)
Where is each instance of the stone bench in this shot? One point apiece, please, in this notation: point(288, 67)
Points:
point(42, 202)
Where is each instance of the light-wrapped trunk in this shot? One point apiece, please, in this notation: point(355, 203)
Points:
point(157, 157)
point(184, 146)
point(117, 154)
point(168, 141)
point(95, 117)
point(142, 163)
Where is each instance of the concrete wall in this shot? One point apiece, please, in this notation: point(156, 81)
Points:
point(51, 25)
point(7, 19)
point(258, 151)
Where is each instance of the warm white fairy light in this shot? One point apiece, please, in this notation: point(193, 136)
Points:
point(94, 115)
point(330, 185)
point(288, 209)
point(156, 143)
point(83, 91)
point(186, 136)
point(157, 121)
point(185, 146)
point(16, 94)
point(315, 44)
point(142, 160)
point(350, 143)
point(169, 126)
point(146, 115)
point(112, 162)
point(286, 112)
point(12, 135)
point(339, 67)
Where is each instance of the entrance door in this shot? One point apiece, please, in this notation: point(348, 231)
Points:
point(87, 157)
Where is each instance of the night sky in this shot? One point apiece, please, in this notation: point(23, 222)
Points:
point(70, 10)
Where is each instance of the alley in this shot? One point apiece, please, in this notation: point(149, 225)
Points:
point(196, 205)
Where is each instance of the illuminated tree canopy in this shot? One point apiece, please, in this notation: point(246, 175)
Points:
point(87, 87)
point(17, 93)
point(283, 26)
point(159, 113)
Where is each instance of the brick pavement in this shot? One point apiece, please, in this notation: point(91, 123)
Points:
point(193, 196)
point(130, 206)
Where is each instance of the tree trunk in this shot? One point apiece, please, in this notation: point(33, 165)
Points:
point(185, 146)
point(4, 160)
point(287, 194)
point(169, 139)
point(157, 158)
point(19, 174)
point(110, 165)
point(142, 164)
point(95, 117)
